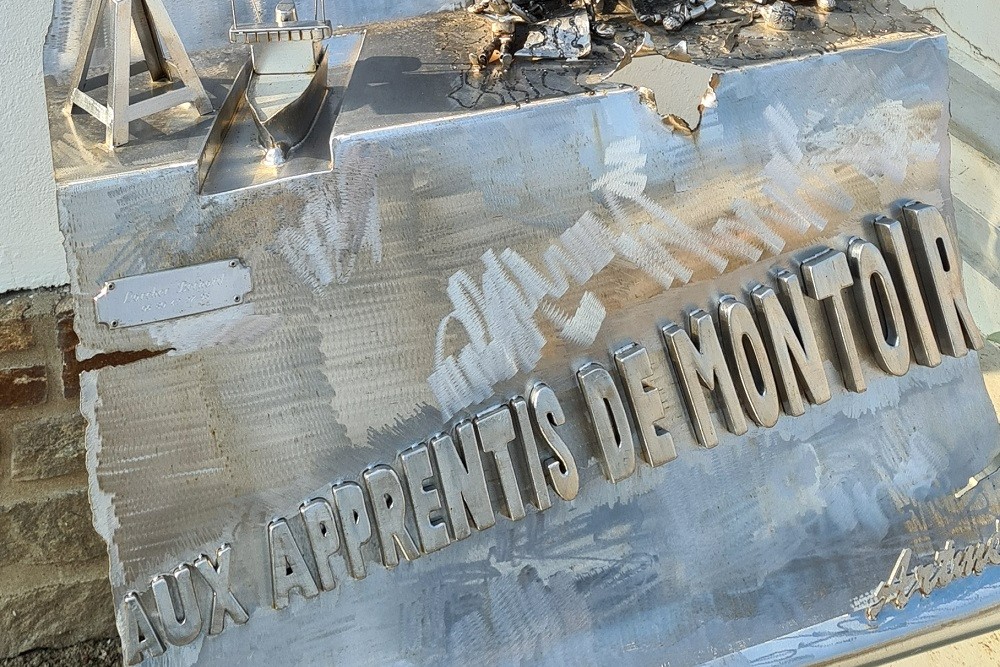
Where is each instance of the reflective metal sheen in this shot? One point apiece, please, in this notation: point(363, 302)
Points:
point(389, 434)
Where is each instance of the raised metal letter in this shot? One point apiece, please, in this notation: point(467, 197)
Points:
point(288, 567)
point(941, 276)
point(897, 256)
point(616, 449)
point(324, 538)
point(549, 414)
point(422, 486)
point(355, 525)
point(462, 481)
point(879, 307)
point(138, 635)
point(699, 362)
point(389, 508)
point(529, 449)
point(647, 406)
point(223, 600)
point(495, 429)
point(826, 276)
point(180, 626)
point(791, 341)
point(754, 377)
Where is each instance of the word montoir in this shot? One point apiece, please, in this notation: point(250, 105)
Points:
point(909, 296)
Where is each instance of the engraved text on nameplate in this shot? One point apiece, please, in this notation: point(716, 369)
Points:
point(165, 295)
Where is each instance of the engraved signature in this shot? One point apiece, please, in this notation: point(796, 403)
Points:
point(199, 284)
point(197, 299)
point(144, 296)
point(949, 564)
point(172, 293)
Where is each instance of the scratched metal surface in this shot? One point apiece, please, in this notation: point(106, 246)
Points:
point(329, 368)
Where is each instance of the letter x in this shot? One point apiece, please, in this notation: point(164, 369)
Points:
point(223, 600)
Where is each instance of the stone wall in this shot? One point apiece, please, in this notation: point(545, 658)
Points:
point(54, 588)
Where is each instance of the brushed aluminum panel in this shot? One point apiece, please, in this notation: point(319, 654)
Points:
point(330, 370)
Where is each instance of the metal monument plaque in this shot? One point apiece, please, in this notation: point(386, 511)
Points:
point(538, 367)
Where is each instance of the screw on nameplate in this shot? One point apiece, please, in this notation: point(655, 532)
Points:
point(166, 295)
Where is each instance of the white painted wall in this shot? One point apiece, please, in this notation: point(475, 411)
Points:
point(975, 180)
point(31, 251)
point(973, 29)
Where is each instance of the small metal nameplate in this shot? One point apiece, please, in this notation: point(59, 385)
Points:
point(165, 295)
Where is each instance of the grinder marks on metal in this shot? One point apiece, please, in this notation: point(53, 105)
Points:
point(497, 314)
point(777, 509)
point(440, 486)
point(339, 221)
